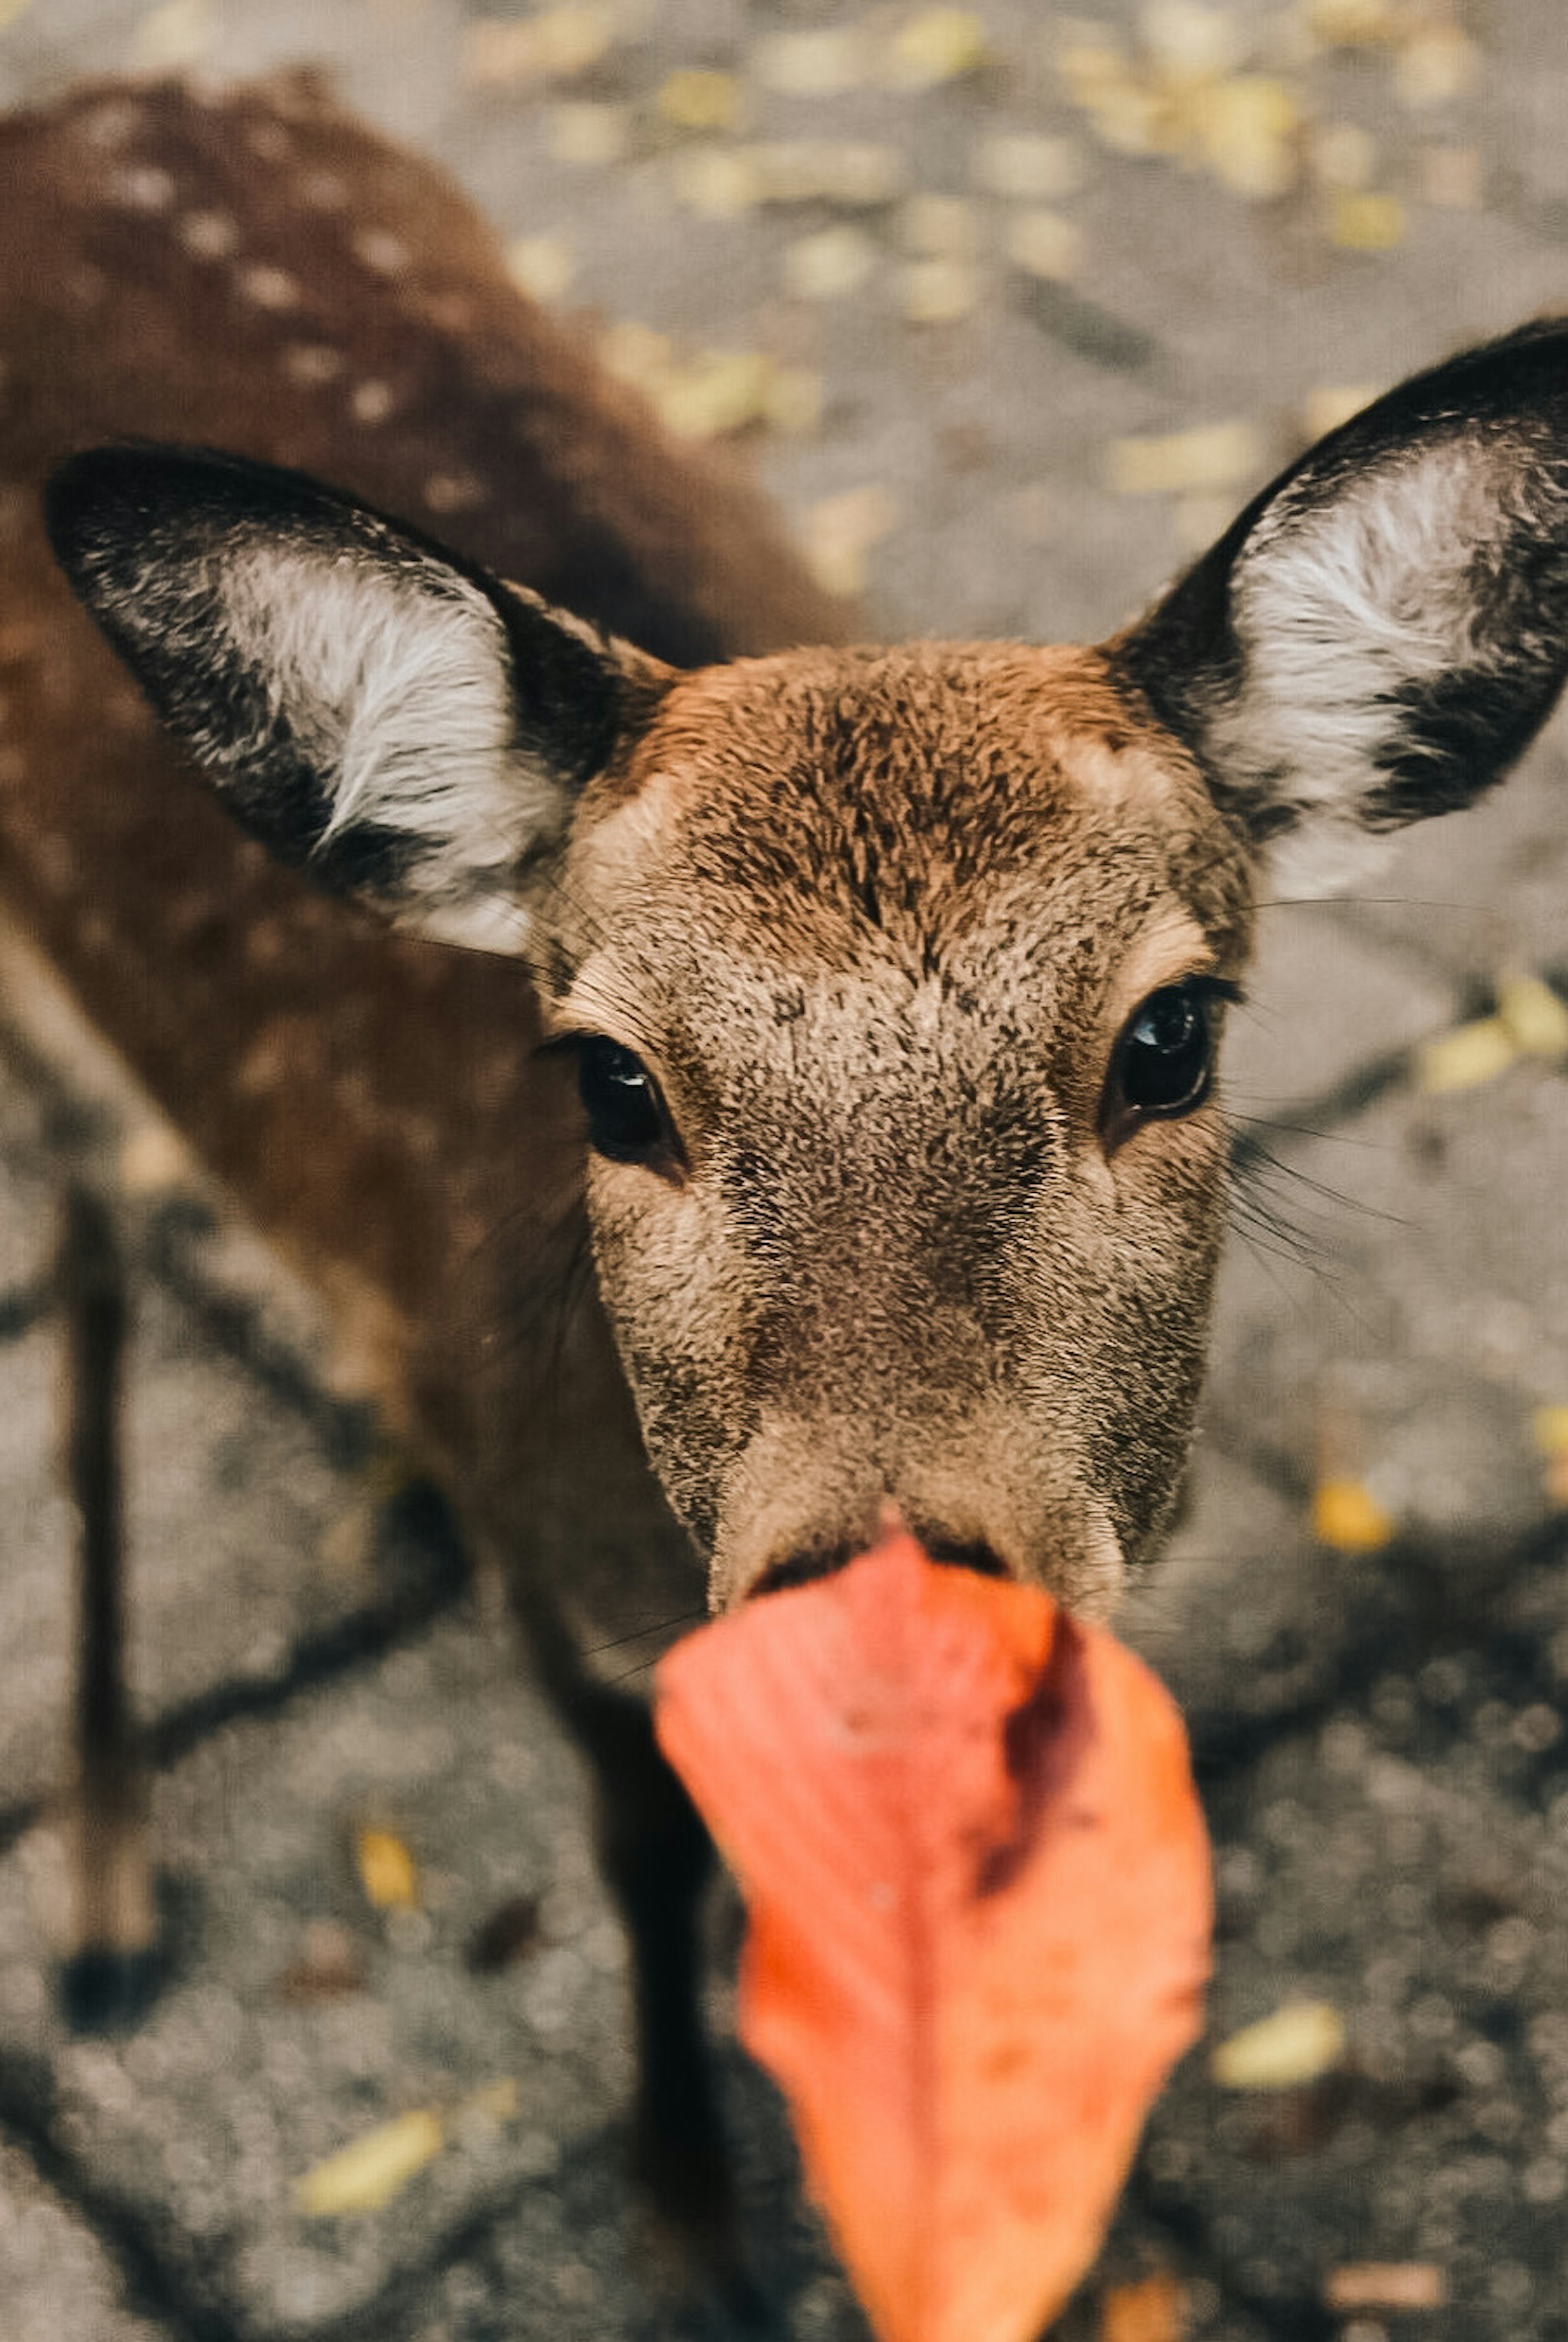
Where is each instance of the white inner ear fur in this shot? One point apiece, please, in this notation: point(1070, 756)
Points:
point(399, 687)
point(1337, 607)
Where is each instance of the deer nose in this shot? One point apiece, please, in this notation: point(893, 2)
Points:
point(815, 1561)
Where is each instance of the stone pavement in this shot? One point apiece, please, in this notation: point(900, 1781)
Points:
point(1379, 1736)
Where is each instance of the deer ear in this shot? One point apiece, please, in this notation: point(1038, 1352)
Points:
point(1383, 631)
point(387, 717)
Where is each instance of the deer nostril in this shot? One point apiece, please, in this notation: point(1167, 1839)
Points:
point(812, 1562)
point(965, 1553)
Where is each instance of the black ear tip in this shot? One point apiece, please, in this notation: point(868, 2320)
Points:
point(105, 495)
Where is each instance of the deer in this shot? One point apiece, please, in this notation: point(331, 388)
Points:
point(735, 1078)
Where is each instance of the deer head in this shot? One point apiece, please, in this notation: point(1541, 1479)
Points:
point(895, 978)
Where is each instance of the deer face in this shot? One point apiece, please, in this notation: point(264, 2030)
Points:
point(894, 977)
point(894, 980)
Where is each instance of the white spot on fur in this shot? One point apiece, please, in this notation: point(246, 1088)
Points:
point(380, 250)
point(209, 235)
point(372, 402)
point(324, 191)
point(269, 287)
point(399, 687)
point(269, 140)
point(310, 363)
point(142, 188)
point(111, 125)
point(1340, 609)
point(453, 492)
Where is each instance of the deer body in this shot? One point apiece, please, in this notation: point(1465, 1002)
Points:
point(893, 980)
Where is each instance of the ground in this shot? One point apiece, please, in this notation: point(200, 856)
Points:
point(983, 407)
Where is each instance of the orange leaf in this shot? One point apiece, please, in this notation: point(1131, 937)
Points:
point(978, 1885)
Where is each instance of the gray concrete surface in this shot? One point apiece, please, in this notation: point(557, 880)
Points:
point(1379, 1738)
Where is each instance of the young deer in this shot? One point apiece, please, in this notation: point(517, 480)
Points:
point(879, 990)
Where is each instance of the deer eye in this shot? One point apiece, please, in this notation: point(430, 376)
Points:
point(1164, 1061)
point(626, 1116)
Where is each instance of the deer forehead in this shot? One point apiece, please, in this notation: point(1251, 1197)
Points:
point(893, 836)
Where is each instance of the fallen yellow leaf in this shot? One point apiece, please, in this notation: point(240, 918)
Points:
point(1465, 1057)
point(1212, 456)
point(698, 99)
point(1299, 2043)
point(1549, 1430)
point(840, 531)
point(1366, 223)
point(1247, 130)
point(1387, 2285)
point(1534, 1016)
point(934, 46)
point(387, 1871)
point(1346, 1516)
point(373, 2169)
point(1153, 2310)
point(1325, 409)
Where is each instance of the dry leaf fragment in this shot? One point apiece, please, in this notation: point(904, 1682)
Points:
point(934, 46)
point(712, 394)
point(1026, 168)
point(178, 34)
point(718, 181)
point(940, 227)
point(507, 53)
point(829, 265)
point(1465, 1057)
point(1434, 66)
point(1387, 2285)
point(1347, 1516)
point(1298, 2043)
point(839, 533)
point(1352, 24)
point(374, 2168)
point(1190, 41)
point(938, 292)
point(979, 1911)
point(586, 132)
point(1153, 2311)
point(1045, 243)
point(820, 63)
point(329, 1966)
point(387, 1871)
point(1534, 1016)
